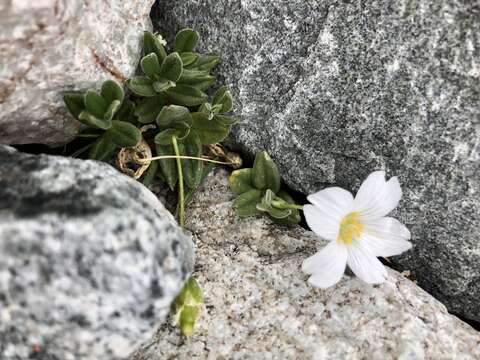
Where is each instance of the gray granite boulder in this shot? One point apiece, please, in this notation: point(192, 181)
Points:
point(90, 259)
point(334, 90)
point(258, 304)
point(51, 46)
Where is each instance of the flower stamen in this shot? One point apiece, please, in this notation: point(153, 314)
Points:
point(350, 229)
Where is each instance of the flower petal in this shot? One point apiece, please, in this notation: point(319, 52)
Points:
point(365, 265)
point(329, 207)
point(377, 197)
point(386, 236)
point(327, 265)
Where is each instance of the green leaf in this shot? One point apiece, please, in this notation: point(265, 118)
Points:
point(246, 203)
point(126, 112)
point(188, 58)
point(205, 62)
point(141, 86)
point(173, 114)
point(186, 95)
point(265, 173)
point(223, 97)
point(226, 120)
point(164, 137)
point(163, 85)
point(124, 134)
point(148, 110)
point(182, 130)
point(204, 85)
point(240, 181)
point(95, 104)
point(150, 174)
point(171, 68)
point(150, 65)
point(90, 120)
point(168, 166)
point(192, 169)
point(90, 133)
point(74, 102)
point(210, 131)
point(152, 44)
point(194, 77)
point(186, 40)
point(103, 149)
point(112, 109)
point(111, 91)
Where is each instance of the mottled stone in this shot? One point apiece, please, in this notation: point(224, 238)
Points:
point(90, 259)
point(260, 306)
point(48, 47)
point(336, 89)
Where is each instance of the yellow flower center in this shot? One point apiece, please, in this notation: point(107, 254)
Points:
point(350, 229)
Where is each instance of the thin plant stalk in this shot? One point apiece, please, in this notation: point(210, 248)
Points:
point(181, 191)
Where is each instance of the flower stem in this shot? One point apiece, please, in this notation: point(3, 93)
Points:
point(181, 195)
point(182, 157)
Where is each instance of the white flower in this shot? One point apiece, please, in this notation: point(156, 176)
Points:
point(358, 230)
point(161, 40)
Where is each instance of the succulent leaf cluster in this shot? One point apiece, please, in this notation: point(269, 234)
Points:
point(187, 306)
point(259, 191)
point(170, 95)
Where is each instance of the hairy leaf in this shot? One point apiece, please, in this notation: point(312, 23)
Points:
point(210, 131)
point(186, 40)
point(74, 102)
point(142, 86)
point(265, 173)
point(124, 134)
point(186, 95)
point(111, 91)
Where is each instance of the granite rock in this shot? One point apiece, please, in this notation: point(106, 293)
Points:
point(336, 89)
point(258, 304)
point(52, 46)
point(90, 259)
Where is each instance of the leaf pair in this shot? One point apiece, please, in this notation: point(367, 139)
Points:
point(97, 111)
point(222, 103)
point(187, 306)
point(258, 191)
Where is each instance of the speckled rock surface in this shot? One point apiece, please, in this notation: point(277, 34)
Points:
point(51, 46)
point(259, 305)
point(90, 259)
point(336, 89)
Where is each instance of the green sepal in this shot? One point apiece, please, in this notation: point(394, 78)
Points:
point(173, 114)
point(186, 95)
point(192, 169)
point(246, 203)
point(171, 68)
point(226, 120)
point(168, 166)
point(150, 174)
point(224, 98)
point(205, 62)
point(186, 40)
point(90, 120)
point(126, 112)
point(188, 58)
point(148, 110)
point(141, 86)
point(103, 149)
point(124, 134)
point(112, 109)
point(151, 44)
point(265, 173)
point(240, 181)
point(294, 217)
point(163, 85)
point(75, 103)
point(150, 65)
point(111, 91)
point(210, 131)
point(95, 104)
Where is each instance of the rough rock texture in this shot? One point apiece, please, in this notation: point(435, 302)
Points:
point(336, 89)
point(51, 46)
point(90, 259)
point(259, 305)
